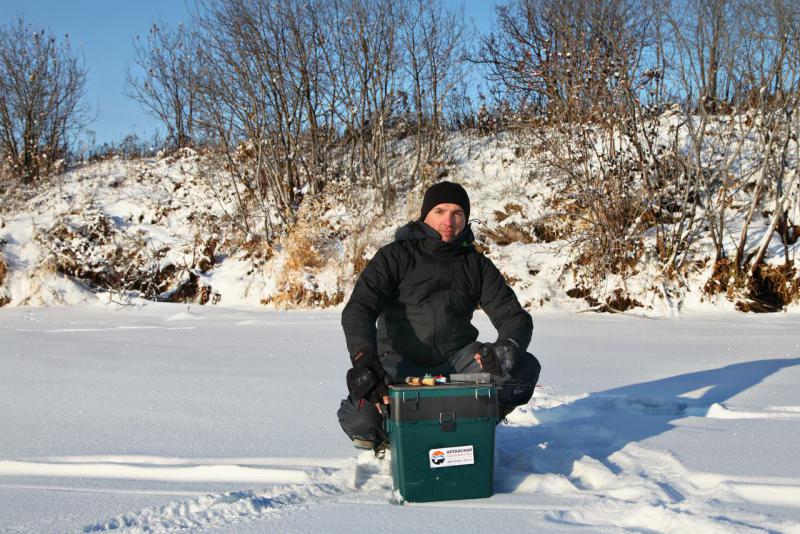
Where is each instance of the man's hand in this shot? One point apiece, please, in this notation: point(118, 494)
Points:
point(367, 380)
point(499, 358)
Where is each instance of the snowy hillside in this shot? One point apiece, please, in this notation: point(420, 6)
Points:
point(167, 229)
point(164, 417)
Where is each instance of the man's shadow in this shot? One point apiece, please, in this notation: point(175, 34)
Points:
point(605, 422)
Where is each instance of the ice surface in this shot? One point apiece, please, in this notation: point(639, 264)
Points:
point(162, 417)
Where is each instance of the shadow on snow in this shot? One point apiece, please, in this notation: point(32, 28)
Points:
point(605, 422)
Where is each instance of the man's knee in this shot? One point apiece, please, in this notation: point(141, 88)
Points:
point(527, 370)
point(361, 421)
point(518, 388)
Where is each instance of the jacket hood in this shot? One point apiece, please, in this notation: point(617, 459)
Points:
point(419, 231)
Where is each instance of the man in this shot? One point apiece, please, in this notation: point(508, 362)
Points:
point(422, 290)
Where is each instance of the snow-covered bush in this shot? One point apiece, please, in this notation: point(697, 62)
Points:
point(92, 248)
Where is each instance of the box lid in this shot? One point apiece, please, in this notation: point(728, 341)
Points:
point(416, 403)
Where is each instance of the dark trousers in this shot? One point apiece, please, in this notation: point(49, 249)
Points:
point(363, 421)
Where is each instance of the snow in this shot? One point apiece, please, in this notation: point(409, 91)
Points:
point(162, 417)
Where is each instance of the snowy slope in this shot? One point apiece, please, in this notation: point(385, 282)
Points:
point(160, 417)
point(148, 227)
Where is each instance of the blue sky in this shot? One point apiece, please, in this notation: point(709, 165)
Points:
point(103, 31)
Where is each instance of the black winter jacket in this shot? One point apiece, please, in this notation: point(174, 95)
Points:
point(422, 292)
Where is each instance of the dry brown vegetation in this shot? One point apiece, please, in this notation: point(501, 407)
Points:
point(508, 233)
point(296, 293)
point(308, 248)
point(617, 302)
point(4, 298)
point(770, 289)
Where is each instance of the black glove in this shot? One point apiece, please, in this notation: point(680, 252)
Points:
point(501, 357)
point(367, 379)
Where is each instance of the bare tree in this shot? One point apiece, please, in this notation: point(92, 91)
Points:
point(702, 52)
point(42, 85)
point(364, 63)
point(704, 45)
point(163, 80)
point(590, 71)
point(267, 99)
point(564, 57)
point(433, 41)
point(770, 89)
point(287, 86)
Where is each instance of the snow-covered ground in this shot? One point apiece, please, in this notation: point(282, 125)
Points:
point(159, 417)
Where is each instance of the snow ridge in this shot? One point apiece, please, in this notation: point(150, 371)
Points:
point(365, 475)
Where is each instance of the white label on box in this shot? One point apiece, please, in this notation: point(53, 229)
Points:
point(451, 456)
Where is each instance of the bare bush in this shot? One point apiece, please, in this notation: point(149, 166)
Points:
point(365, 61)
point(42, 85)
point(648, 115)
point(576, 69)
point(737, 68)
point(163, 80)
point(295, 93)
point(89, 247)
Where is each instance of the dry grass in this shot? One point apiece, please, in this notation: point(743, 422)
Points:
point(583, 293)
point(771, 289)
point(547, 232)
point(358, 252)
point(302, 251)
point(618, 302)
point(721, 279)
point(257, 250)
point(508, 210)
point(434, 170)
point(297, 294)
point(508, 233)
point(307, 249)
point(511, 280)
point(481, 247)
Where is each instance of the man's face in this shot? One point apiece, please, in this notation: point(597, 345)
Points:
point(447, 219)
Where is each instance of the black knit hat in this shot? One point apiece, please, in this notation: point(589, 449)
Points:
point(444, 193)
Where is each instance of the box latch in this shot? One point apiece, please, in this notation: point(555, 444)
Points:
point(447, 421)
point(483, 394)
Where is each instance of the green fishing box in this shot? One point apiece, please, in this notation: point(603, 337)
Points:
point(442, 441)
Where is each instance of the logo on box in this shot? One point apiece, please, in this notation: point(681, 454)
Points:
point(451, 456)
